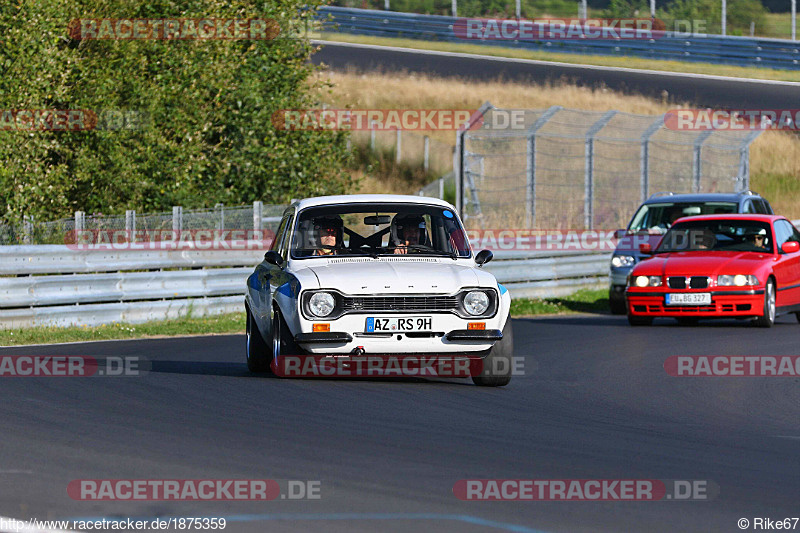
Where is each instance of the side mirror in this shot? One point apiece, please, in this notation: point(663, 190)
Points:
point(646, 249)
point(790, 247)
point(483, 257)
point(620, 233)
point(273, 258)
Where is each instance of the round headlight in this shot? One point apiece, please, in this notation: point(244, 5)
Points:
point(739, 280)
point(476, 302)
point(321, 303)
point(642, 281)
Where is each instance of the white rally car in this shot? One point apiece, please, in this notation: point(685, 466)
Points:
point(377, 274)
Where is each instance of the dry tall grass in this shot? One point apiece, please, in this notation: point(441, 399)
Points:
point(775, 156)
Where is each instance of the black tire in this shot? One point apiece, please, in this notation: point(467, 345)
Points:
point(258, 353)
point(499, 357)
point(768, 318)
point(797, 316)
point(282, 339)
point(617, 304)
point(634, 320)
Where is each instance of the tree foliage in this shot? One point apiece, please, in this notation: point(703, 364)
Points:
point(206, 134)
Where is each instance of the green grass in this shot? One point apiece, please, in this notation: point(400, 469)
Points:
point(582, 301)
point(607, 61)
point(228, 323)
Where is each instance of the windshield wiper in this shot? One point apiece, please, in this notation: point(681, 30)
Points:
point(423, 248)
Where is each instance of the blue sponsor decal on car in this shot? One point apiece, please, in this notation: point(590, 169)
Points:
point(503, 290)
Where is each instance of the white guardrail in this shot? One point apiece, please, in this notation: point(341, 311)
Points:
point(61, 286)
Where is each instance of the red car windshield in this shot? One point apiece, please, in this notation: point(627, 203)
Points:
point(718, 235)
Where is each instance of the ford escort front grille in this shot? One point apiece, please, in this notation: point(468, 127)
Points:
point(399, 303)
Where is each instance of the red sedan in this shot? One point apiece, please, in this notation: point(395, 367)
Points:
point(719, 266)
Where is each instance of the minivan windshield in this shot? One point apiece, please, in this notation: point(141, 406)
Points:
point(656, 219)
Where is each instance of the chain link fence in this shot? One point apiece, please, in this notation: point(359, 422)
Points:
point(257, 216)
point(562, 168)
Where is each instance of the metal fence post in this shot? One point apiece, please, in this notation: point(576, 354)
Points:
point(426, 152)
point(27, 229)
point(530, 188)
point(441, 188)
point(258, 210)
point(455, 8)
point(697, 163)
point(644, 157)
point(177, 218)
point(372, 135)
point(743, 179)
point(80, 221)
point(399, 135)
point(588, 186)
point(130, 225)
point(459, 159)
point(220, 209)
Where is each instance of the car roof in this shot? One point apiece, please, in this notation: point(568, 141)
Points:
point(369, 198)
point(701, 197)
point(755, 218)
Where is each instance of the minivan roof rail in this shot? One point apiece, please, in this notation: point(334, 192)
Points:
point(662, 193)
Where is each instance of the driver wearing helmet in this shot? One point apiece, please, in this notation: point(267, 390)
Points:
point(329, 234)
point(407, 230)
point(757, 238)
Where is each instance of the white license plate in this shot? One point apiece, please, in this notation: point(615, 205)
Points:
point(412, 323)
point(689, 298)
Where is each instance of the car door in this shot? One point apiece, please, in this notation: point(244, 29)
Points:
point(260, 282)
point(787, 268)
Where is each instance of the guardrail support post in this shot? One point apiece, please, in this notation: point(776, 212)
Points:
point(588, 186)
point(530, 188)
point(697, 162)
point(644, 157)
point(426, 152)
point(177, 218)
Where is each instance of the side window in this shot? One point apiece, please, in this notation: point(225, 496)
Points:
point(748, 207)
point(783, 232)
point(280, 234)
point(767, 207)
point(283, 247)
point(760, 207)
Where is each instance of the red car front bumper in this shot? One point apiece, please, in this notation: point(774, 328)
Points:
point(738, 302)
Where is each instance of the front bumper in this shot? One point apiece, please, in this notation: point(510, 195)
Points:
point(742, 303)
point(449, 335)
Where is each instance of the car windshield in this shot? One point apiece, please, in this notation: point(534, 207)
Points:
point(657, 218)
point(379, 229)
point(722, 235)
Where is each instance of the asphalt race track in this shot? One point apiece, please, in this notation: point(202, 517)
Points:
point(717, 92)
point(595, 403)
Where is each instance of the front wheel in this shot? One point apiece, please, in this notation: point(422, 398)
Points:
point(283, 343)
point(496, 369)
point(258, 355)
point(767, 319)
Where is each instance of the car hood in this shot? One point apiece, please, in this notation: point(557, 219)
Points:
point(395, 276)
point(701, 263)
